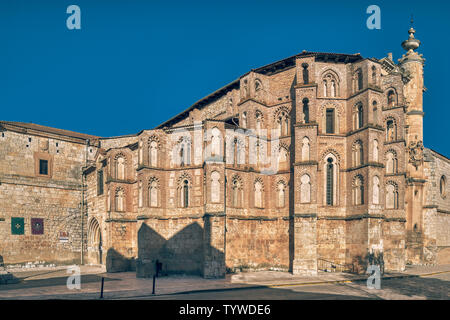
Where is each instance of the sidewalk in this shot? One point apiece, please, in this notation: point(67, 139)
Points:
point(51, 284)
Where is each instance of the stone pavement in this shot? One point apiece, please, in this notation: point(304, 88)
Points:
point(51, 283)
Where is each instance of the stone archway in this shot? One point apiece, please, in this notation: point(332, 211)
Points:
point(95, 250)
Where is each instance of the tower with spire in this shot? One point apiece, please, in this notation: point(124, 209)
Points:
point(411, 65)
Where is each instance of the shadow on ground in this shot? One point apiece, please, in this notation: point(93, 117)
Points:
point(59, 281)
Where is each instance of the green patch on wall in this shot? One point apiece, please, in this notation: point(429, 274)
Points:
point(17, 225)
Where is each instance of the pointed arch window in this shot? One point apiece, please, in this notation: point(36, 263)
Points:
point(305, 149)
point(375, 150)
point(305, 73)
point(391, 130)
point(376, 190)
point(357, 152)
point(140, 194)
point(281, 194)
point(330, 120)
point(358, 191)
point(120, 200)
point(391, 162)
point(375, 112)
point(153, 154)
point(120, 168)
point(153, 190)
point(442, 186)
point(236, 193)
point(391, 195)
point(185, 152)
point(329, 182)
point(215, 142)
point(258, 194)
point(185, 194)
point(305, 110)
point(391, 98)
point(305, 189)
point(215, 187)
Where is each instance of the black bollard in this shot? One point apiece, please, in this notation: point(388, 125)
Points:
point(154, 280)
point(101, 291)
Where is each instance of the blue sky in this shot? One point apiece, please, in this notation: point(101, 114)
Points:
point(135, 64)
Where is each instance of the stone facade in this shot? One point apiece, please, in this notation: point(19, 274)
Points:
point(305, 164)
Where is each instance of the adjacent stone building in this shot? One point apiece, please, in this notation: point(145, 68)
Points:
point(309, 163)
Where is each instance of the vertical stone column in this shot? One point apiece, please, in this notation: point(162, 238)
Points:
point(305, 244)
point(411, 65)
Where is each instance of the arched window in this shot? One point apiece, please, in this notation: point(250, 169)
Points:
point(215, 142)
point(185, 194)
point(120, 167)
point(305, 73)
point(258, 119)
point(283, 158)
point(281, 194)
point(333, 89)
point(238, 154)
point(258, 85)
point(442, 186)
point(185, 151)
point(215, 187)
point(376, 190)
point(358, 115)
point(236, 192)
point(357, 153)
point(375, 112)
point(305, 189)
point(375, 150)
point(391, 98)
point(305, 110)
point(391, 162)
point(140, 194)
point(330, 120)
point(244, 119)
point(120, 200)
point(360, 79)
point(330, 84)
point(391, 195)
point(153, 154)
point(391, 130)
point(330, 182)
point(108, 201)
point(305, 149)
point(374, 75)
point(153, 192)
point(282, 119)
point(141, 152)
point(358, 190)
point(258, 194)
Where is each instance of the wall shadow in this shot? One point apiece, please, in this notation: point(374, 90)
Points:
point(186, 252)
point(116, 262)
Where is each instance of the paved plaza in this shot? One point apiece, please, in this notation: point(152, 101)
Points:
point(418, 282)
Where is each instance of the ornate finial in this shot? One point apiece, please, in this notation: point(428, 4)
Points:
point(411, 44)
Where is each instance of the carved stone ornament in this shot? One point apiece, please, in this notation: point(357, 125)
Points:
point(415, 150)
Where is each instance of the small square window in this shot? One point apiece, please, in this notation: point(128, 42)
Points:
point(43, 167)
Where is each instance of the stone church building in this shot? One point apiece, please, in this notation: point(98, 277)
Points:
point(309, 163)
